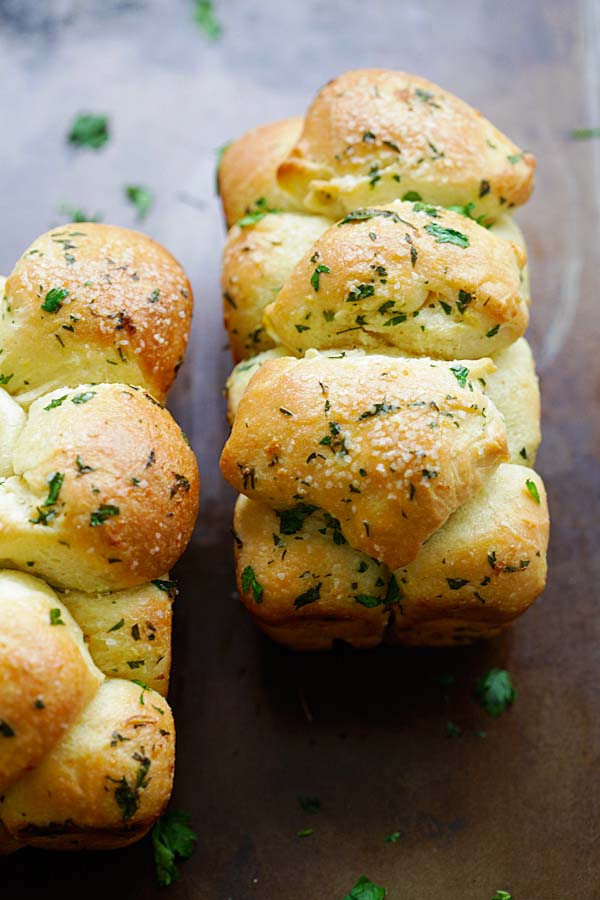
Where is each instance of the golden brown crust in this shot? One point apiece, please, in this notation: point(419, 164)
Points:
point(257, 261)
point(105, 783)
point(46, 674)
point(481, 570)
point(412, 277)
point(374, 135)
point(512, 386)
point(280, 582)
point(104, 493)
point(389, 447)
point(128, 633)
point(248, 169)
point(92, 302)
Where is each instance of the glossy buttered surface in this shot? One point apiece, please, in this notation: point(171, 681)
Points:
point(366, 732)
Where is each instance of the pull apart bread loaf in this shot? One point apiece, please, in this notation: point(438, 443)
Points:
point(385, 408)
point(98, 499)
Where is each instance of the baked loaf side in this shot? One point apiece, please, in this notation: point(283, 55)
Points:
point(84, 761)
point(98, 496)
point(376, 294)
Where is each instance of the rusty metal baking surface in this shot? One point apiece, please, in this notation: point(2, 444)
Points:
point(365, 732)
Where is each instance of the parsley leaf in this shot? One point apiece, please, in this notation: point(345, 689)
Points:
point(532, 488)
point(6, 730)
point(249, 581)
point(455, 584)
point(75, 214)
point(314, 279)
point(141, 197)
point(55, 617)
point(292, 520)
point(361, 215)
point(163, 585)
point(253, 216)
point(584, 134)
point(502, 895)
point(206, 18)
point(447, 235)
point(104, 511)
point(461, 373)
point(495, 692)
point(393, 838)
point(309, 596)
point(54, 298)
point(365, 889)
point(172, 838)
point(89, 130)
point(378, 409)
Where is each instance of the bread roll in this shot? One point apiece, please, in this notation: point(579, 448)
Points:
point(92, 302)
point(389, 447)
point(375, 135)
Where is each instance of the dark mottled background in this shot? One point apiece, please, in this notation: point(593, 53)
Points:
point(366, 732)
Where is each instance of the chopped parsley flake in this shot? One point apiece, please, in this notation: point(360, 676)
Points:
point(532, 488)
point(495, 692)
point(250, 582)
point(56, 617)
point(172, 839)
point(254, 215)
point(89, 130)
point(365, 889)
point(292, 520)
point(141, 197)
point(321, 269)
point(461, 373)
point(309, 596)
point(104, 512)
point(54, 298)
point(447, 235)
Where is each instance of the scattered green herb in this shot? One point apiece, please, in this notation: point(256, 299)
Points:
point(75, 214)
point(89, 130)
point(365, 889)
point(84, 397)
point(495, 692)
point(254, 215)
point(314, 279)
point(104, 512)
point(292, 520)
point(56, 617)
point(249, 582)
point(532, 488)
point(206, 18)
point(54, 298)
point(141, 197)
point(447, 235)
point(309, 596)
point(172, 839)
point(461, 373)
